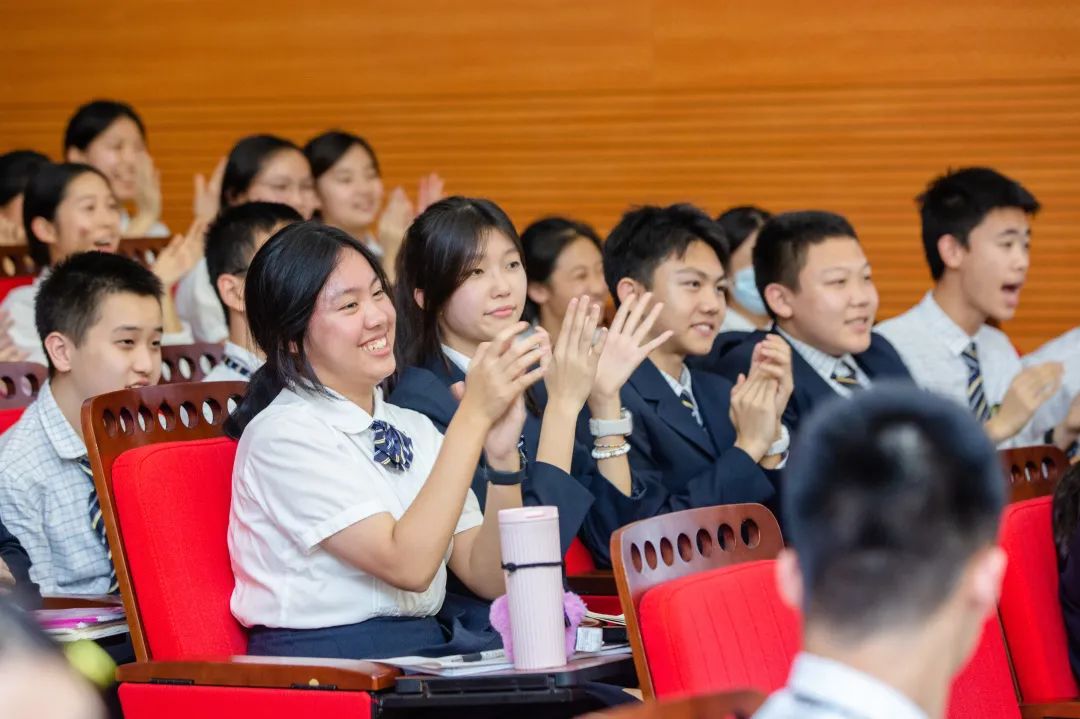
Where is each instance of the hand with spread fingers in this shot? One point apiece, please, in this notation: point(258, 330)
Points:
point(627, 345)
point(1028, 391)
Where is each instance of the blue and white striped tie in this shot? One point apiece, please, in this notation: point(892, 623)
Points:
point(975, 393)
point(97, 523)
point(392, 447)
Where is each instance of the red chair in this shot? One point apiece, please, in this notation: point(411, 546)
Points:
point(596, 587)
point(17, 268)
point(1033, 471)
point(164, 475)
point(734, 705)
point(1031, 612)
point(19, 385)
point(649, 554)
point(189, 363)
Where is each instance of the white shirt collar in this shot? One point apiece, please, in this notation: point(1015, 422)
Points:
point(823, 363)
point(63, 437)
point(460, 361)
point(678, 386)
point(852, 692)
point(242, 356)
point(338, 411)
point(940, 325)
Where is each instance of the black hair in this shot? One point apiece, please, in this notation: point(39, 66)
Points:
point(784, 241)
point(94, 118)
point(1066, 510)
point(283, 284)
point(16, 169)
point(70, 298)
point(647, 236)
point(44, 193)
point(893, 492)
point(543, 242)
point(955, 203)
point(441, 246)
point(246, 159)
point(324, 151)
point(738, 223)
point(230, 239)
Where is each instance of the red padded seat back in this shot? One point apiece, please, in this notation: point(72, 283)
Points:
point(984, 687)
point(172, 502)
point(1030, 608)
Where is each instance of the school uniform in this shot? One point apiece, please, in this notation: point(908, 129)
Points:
point(426, 389)
point(974, 370)
point(305, 469)
point(682, 452)
point(198, 305)
point(820, 688)
point(817, 376)
point(237, 365)
point(19, 304)
point(1064, 349)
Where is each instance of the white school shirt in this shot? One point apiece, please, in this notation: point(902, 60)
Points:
point(1064, 349)
point(242, 358)
point(304, 471)
point(820, 688)
point(931, 345)
point(198, 305)
point(826, 365)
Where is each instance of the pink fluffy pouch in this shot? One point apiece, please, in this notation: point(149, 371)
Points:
point(573, 613)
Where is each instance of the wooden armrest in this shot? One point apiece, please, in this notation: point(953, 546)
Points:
point(248, 671)
point(600, 582)
point(1063, 709)
point(78, 601)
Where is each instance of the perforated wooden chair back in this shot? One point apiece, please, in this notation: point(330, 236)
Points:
point(117, 422)
point(189, 363)
point(20, 382)
point(15, 261)
point(659, 549)
point(143, 250)
point(1033, 471)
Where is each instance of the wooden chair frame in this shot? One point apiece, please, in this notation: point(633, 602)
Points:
point(173, 356)
point(15, 261)
point(20, 383)
point(660, 549)
point(1033, 471)
point(119, 421)
point(143, 250)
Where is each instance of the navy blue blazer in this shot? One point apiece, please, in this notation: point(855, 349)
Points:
point(427, 390)
point(880, 362)
point(675, 462)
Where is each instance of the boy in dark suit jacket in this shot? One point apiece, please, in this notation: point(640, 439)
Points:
point(817, 285)
point(698, 439)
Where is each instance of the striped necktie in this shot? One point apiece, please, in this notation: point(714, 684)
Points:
point(393, 448)
point(687, 400)
point(845, 375)
point(975, 393)
point(97, 523)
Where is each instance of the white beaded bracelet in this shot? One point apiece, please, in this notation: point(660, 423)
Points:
point(610, 453)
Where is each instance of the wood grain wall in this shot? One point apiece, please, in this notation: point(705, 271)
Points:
point(586, 107)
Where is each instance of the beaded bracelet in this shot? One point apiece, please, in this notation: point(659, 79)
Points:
point(618, 451)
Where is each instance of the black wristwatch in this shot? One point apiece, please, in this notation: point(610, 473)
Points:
point(505, 478)
point(1072, 450)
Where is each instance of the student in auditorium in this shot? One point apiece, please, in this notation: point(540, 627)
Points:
point(892, 513)
point(231, 241)
point(99, 317)
point(349, 185)
point(70, 208)
point(817, 286)
point(262, 168)
point(746, 310)
point(562, 261)
point(698, 440)
point(352, 562)
point(16, 168)
point(461, 283)
point(110, 136)
point(976, 237)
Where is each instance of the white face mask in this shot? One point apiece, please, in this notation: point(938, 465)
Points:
point(745, 291)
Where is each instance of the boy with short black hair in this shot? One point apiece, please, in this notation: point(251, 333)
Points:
point(892, 512)
point(100, 320)
point(817, 286)
point(697, 439)
point(231, 241)
point(976, 235)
